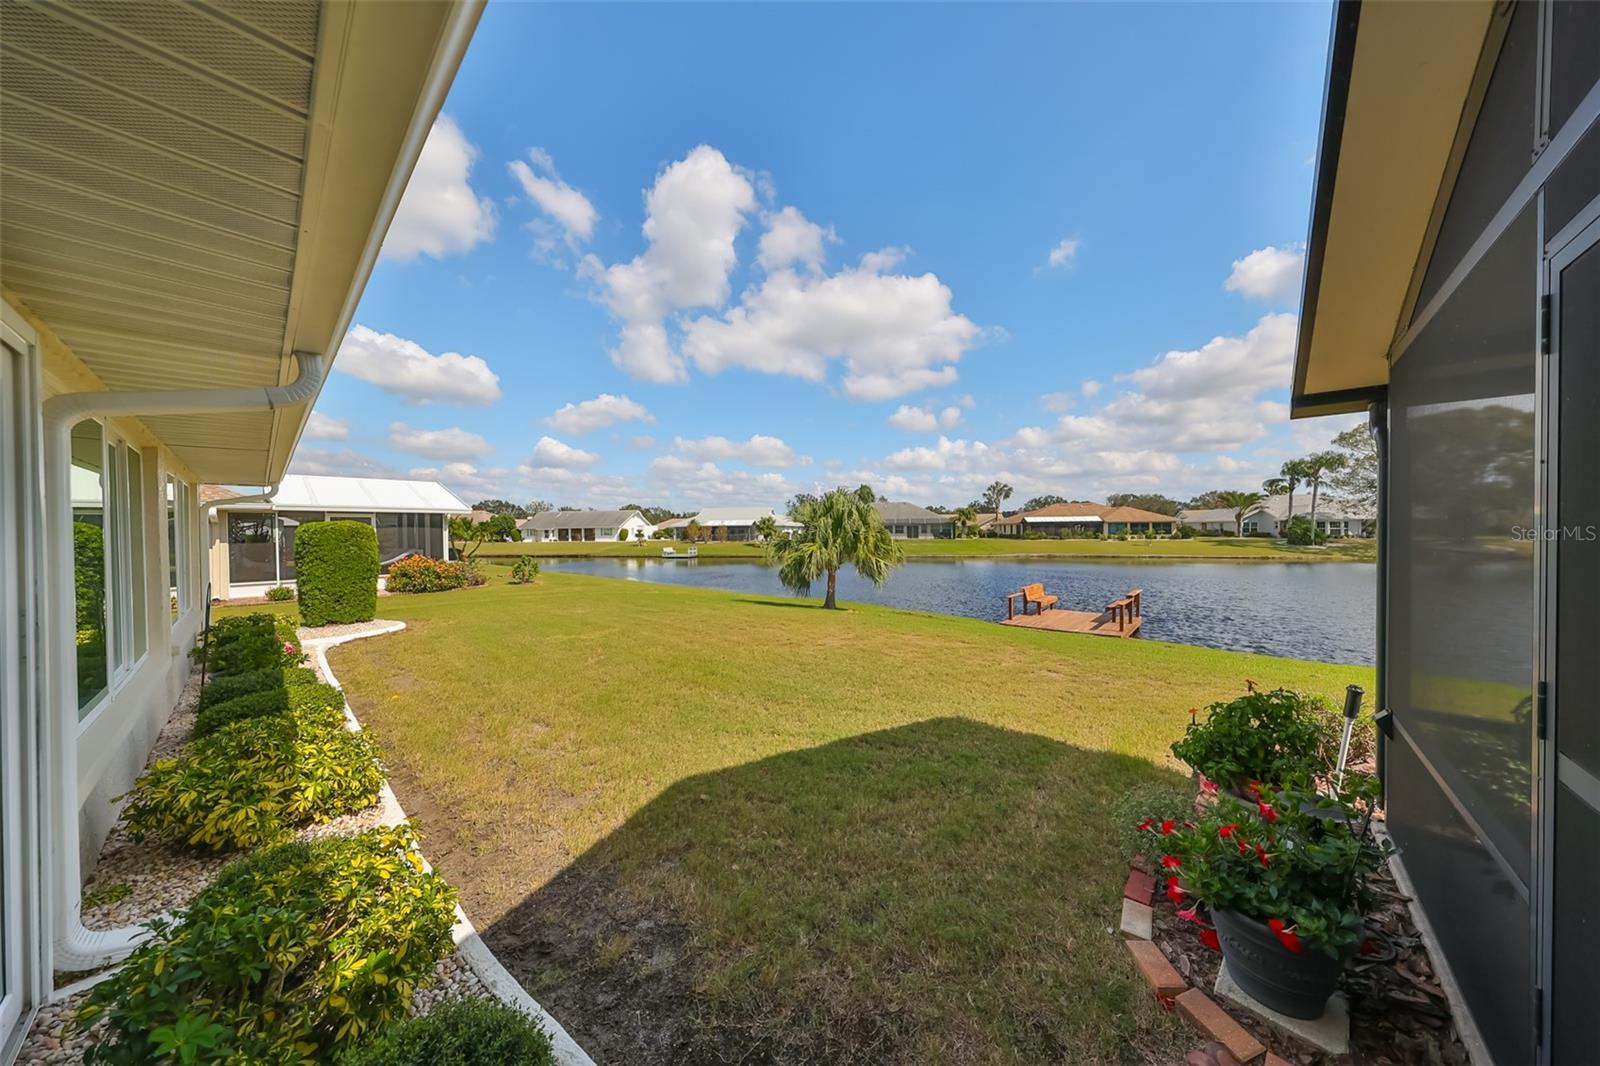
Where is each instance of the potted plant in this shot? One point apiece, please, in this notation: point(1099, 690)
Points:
point(1287, 892)
point(1263, 737)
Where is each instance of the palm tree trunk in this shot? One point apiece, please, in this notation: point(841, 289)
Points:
point(1290, 517)
point(1315, 485)
point(831, 601)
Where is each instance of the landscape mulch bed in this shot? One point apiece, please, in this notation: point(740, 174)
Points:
point(1398, 1010)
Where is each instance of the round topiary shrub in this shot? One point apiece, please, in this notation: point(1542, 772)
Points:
point(336, 572)
point(461, 1032)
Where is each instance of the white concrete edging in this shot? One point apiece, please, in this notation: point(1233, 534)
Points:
point(488, 969)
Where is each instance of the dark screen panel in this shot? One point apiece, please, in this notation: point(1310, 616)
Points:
point(1574, 57)
point(1574, 183)
point(1462, 577)
point(1575, 978)
point(251, 554)
point(1499, 152)
point(1578, 516)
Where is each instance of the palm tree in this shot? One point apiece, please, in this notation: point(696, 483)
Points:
point(841, 528)
point(1291, 475)
point(1240, 504)
point(996, 494)
point(1317, 467)
point(765, 527)
point(965, 516)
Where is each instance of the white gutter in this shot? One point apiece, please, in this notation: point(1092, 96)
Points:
point(75, 947)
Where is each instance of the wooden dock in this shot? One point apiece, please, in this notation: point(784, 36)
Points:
point(1121, 618)
point(1104, 624)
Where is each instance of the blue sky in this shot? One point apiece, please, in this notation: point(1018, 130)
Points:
point(688, 255)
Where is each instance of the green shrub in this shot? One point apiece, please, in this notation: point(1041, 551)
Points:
point(1158, 802)
point(258, 704)
point(248, 643)
point(336, 572)
point(251, 782)
point(1271, 737)
point(462, 1032)
point(418, 573)
point(222, 689)
point(524, 570)
point(293, 955)
point(280, 594)
point(1300, 532)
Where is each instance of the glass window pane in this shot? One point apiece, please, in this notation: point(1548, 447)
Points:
point(251, 554)
point(89, 558)
point(288, 522)
point(172, 546)
point(136, 592)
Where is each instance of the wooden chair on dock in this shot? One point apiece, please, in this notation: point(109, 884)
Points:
point(1033, 594)
point(1125, 610)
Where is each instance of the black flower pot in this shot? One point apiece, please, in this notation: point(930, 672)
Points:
point(1297, 984)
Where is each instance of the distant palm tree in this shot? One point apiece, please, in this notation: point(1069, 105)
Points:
point(965, 516)
point(765, 527)
point(1317, 468)
point(1240, 503)
point(1291, 475)
point(840, 529)
point(995, 495)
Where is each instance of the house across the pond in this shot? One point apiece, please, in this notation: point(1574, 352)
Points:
point(550, 527)
point(1335, 518)
point(252, 540)
point(737, 523)
point(907, 521)
point(1083, 520)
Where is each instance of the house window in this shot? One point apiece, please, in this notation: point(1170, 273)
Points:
point(172, 545)
point(138, 601)
point(251, 553)
point(1250, 526)
point(89, 560)
point(288, 522)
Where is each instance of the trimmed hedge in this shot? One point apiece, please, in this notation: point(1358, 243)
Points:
point(336, 572)
point(316, 702)
point(222, 689)
point(461, 1032)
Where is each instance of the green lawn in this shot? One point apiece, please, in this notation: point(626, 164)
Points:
point(701, 825)
point(1209, 549)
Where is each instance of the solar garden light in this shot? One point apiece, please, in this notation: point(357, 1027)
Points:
point(1352, 707)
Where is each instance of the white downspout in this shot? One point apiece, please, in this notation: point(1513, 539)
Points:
point(75, 947)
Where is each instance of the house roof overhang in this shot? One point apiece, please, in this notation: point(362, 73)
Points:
point(1401, 81)
point(191, 195)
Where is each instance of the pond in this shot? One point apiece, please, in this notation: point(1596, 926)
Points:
point(1320, 611)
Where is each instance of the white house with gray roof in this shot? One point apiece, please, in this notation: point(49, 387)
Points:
point(1335, 517)
point(549, 527)
point(907, 521)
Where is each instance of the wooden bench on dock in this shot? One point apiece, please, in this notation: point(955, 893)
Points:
point(1033, 594)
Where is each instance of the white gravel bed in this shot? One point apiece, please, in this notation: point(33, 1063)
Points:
point(344, 629)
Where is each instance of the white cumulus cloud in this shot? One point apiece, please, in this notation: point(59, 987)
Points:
point(925, 419)
point(552, 454)
point(894, 333)
point(693, 212)
point(325, 427)
point(759, 450)
point(1269, 273)
point(685, 482)
point(792, 238)
point(453, 443)
point(604, 410)
point(1064, 254)
point(566, 207)
point(439, 214)
point(406, 369)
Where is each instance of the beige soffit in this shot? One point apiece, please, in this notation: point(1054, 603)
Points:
point(189, 191)
point(1408, 78)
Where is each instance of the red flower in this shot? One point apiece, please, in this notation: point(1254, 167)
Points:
point(1227, 831)
point(1267, 811)
point(1254, 787)
point(1166, 826)
point(1171, 862)
point(1207, 785)
point(1244, 848)
point(1174, 893)
point(1288, 938)
point(1146, 824)
point(1261, 853)
point(1208, 937)
point(1190, 915)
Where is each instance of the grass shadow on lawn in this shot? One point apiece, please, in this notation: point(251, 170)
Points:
point(942, 891)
